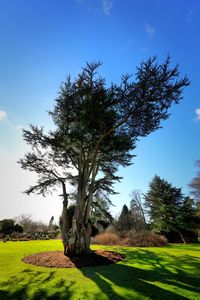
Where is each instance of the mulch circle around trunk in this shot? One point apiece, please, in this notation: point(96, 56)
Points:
point(56, 259)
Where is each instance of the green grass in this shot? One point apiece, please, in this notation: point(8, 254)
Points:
point(171, 272)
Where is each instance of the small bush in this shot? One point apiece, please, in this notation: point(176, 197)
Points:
point(131, 238)
point(145, 239)
point(106, 238)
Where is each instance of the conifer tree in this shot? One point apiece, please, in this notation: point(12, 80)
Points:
point(96, 130)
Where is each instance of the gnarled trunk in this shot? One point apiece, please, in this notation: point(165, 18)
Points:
point(76, 233)
point(77, 237)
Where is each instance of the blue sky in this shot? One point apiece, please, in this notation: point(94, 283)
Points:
point(43, 41)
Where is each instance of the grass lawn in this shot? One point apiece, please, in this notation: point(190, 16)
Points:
point(171, 272)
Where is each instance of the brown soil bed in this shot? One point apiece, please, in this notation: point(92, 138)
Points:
point(56, 259)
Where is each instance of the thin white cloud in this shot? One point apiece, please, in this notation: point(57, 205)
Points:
point(107, 7)
point(197, 111)
point(3, 115)
point(150, 30)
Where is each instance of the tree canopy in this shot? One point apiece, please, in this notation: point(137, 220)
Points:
point(97, 127)
point(8, 226)
point(171, 213)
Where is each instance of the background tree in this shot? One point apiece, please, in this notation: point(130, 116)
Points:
point(8, 226)
point(29, 225)
point(162, 203)
point(97, 127)
point(100, 216)
point(195, 184)
point(170, 212)
point(124, 223)
point(132, 219)
point(189, 219)
point(50, 226)
point(18, 228)
point(137, 211)
point(25, 221)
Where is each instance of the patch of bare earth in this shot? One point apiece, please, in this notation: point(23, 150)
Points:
point(56, 259)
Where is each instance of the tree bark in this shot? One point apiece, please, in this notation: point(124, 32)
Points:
point(182, 238)
point(76, 238)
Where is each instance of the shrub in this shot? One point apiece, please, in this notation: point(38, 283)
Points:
point(132, 238)
point(106, 238)
point(145, 239)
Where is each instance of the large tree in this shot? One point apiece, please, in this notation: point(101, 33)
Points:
point(171, 213)
point(97, 127)
point(162, 203)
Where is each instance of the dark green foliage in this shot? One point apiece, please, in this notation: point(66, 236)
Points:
point(51, 222)
point(125, 221)
point(162, 201)
point(8, 226)
point(170, 212)
point(125, 211)
point(18, 228)
point(133, 219)
point(190, 221)
point(97, 127)
point(100, 216)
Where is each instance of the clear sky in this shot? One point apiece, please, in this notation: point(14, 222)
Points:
point(43, 41)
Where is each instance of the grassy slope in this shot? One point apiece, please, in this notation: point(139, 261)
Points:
point(171, 272)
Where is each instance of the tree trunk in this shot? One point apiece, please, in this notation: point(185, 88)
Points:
point(78, 241)
point(77, 237)
point(182, 238)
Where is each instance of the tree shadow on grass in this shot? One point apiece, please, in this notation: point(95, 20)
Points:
point(30, 284)
point(159, 280)
point(141, 275)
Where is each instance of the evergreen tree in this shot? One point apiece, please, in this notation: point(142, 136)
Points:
point(50, 226)
point(170, 212)
point(100, 215)
point(8, 226)
point(162, 201)
point(189, 219)
point(124, 222)
point(97, 128)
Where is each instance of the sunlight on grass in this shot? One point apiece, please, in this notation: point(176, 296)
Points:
point(170, 272)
